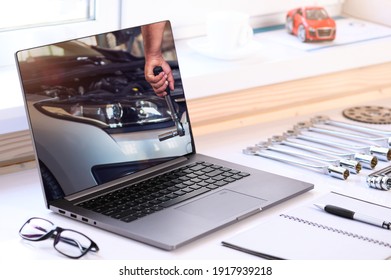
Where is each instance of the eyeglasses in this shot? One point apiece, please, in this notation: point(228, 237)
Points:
point(68, 242)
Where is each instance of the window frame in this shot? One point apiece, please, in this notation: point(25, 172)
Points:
point(61, 13)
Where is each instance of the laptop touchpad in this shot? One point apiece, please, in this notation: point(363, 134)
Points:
point(222, 205)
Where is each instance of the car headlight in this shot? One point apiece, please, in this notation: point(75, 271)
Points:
point(120, 112)
point(114, 112)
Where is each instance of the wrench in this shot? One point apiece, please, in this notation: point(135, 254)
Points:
point(366, 161)
point(180, 131)
point(381, 153)
point(326, 120)
point(382, 141)
point(331, 170)
point(380, 179)
point(353, 166)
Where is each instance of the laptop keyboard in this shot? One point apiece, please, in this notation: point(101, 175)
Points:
point(130, 203)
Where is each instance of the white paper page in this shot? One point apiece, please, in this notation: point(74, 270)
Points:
point(310, 233)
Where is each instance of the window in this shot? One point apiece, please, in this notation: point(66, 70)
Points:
point(26, 23)
point(33, 23)
point(26, 13)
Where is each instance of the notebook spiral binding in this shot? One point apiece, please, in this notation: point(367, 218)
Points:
point(347, 233)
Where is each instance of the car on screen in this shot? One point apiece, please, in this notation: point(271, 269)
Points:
point(311, 24)
point(89, 97)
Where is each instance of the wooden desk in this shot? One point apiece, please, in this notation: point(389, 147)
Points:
point(289, 99)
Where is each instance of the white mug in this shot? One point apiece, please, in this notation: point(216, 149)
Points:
point(228, 31)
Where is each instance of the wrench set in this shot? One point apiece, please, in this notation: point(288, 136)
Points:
point(331, 147)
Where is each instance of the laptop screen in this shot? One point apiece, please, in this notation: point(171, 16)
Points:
point(94, 115)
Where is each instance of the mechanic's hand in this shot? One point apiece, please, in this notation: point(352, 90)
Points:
point(160, 82)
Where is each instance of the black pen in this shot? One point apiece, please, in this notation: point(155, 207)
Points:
point(345, 213)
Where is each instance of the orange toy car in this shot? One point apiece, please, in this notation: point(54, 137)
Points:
point(311, 24)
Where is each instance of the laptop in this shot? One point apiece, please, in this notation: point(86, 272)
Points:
point(115, 155)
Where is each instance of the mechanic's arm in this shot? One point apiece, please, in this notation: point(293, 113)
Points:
point(153, 37)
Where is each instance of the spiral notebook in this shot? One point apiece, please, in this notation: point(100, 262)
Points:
point(309, 233)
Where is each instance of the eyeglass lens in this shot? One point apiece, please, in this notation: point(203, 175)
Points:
point(36, 229)
point(67, 242)
point(71, 243)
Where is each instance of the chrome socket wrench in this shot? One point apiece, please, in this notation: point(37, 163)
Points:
point(354, 127)
point(381, 179)
point(369, 139)
point(179, 131)
point(381, 153)
point(353, 166)
point(366, 160)
point(331, 170)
